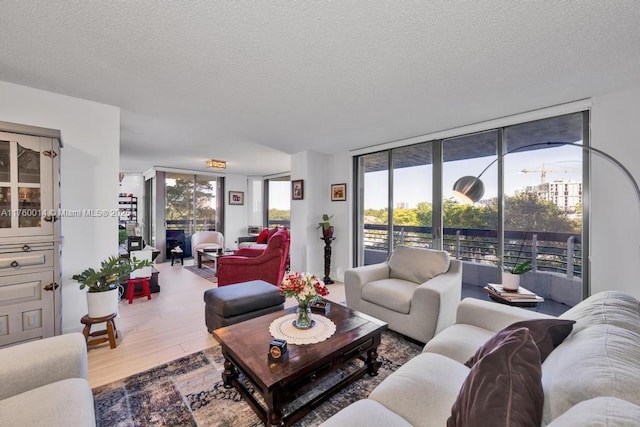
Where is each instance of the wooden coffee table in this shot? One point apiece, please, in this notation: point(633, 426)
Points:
point(245, 346)
point(211, 254)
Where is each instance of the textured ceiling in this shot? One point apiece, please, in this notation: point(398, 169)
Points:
point(251, 82)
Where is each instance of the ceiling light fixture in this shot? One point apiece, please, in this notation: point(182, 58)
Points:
point(216, 164)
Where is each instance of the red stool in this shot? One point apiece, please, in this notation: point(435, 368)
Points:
point(131, 288)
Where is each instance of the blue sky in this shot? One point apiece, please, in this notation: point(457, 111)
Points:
point(413, 185)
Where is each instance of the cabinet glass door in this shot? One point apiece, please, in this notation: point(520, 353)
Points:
point(5, 184)
point(26, 196)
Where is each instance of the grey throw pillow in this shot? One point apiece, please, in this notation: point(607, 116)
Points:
point(417, 264)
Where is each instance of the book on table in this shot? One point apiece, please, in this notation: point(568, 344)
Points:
point(521, 295)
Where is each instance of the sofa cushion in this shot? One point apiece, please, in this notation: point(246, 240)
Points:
point(504, 388)
point(608, 308)
point(546, 333)
point(365, 413)
point(458, 342)
point(598, 412)
point(423, 389)
point(394, 294)
point(601, 360)
point(417, 264)
point(64, 403)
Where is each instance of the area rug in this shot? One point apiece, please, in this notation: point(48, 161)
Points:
point(205, 272)
point(189, 392)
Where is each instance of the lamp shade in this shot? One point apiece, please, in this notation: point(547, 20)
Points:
point(468, 189)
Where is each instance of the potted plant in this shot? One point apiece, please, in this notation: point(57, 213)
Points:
point(511, 273)
point(102, 285)
point(327, 228)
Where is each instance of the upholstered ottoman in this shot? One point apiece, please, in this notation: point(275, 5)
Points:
point(242, 301)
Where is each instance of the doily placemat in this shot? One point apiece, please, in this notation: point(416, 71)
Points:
point(282, 328)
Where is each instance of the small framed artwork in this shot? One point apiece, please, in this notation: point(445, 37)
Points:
point(236, 197)
point(338, 192)
point(297, 189)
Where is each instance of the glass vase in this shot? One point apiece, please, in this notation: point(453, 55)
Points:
point(303, 320)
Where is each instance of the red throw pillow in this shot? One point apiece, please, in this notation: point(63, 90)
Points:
point(504, 388)
point(263, 236)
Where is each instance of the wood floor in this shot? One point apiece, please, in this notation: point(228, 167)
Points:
point(167, 327)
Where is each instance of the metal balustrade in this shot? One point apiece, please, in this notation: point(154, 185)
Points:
point(553, 252)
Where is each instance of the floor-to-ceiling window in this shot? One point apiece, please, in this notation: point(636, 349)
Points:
point(470, 230)
point(190, 206)
point(278, 201)
point(532, 207)
point(412, 195)
point(373, 214)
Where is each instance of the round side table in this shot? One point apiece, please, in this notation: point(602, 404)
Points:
point(111, 332)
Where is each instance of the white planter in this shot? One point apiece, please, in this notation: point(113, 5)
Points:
point(510, 281)
point(102, 304)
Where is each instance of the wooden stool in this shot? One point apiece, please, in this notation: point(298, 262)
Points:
point(111, 332)
point(131, 288)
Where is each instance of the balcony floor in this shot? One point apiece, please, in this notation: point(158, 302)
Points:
point(550, 307)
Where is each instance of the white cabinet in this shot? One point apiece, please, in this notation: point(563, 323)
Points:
point(29, 236)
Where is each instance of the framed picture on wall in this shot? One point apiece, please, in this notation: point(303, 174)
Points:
point(236, 197)
point(338, 192)
point(297, 189)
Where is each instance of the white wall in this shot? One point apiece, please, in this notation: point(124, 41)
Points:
point(339, 170)
point(89, 164)
point(319, 171)
point(300, 216)
point(254, 201)
point(235, 216)
point(615, 215)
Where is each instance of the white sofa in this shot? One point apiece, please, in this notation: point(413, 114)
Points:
point(416, 292)
point(44, 383)
point(591, 379)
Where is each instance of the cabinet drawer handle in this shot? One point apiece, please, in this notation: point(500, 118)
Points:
point(313, 377)
point(26, 248)
point(15, 264)
point(51, 286)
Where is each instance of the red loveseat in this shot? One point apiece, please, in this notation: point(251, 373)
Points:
point(268, 264)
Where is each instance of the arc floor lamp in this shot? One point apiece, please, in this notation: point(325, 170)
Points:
point(471, 188)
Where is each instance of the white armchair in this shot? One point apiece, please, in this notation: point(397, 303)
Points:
point(206, 240)
point(416, 292)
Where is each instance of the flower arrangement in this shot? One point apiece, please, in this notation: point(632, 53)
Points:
point(304, 287)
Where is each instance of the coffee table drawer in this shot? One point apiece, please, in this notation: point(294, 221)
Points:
point(358, 350)
point(310, 377)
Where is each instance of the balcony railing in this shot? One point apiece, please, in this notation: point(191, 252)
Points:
point(553, 252)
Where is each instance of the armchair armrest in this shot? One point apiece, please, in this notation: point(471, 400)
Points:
point(356, 278)
point(34, 364)
point(492, 315)
point(438, 298)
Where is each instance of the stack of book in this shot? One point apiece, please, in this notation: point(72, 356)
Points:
point(522, 295)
